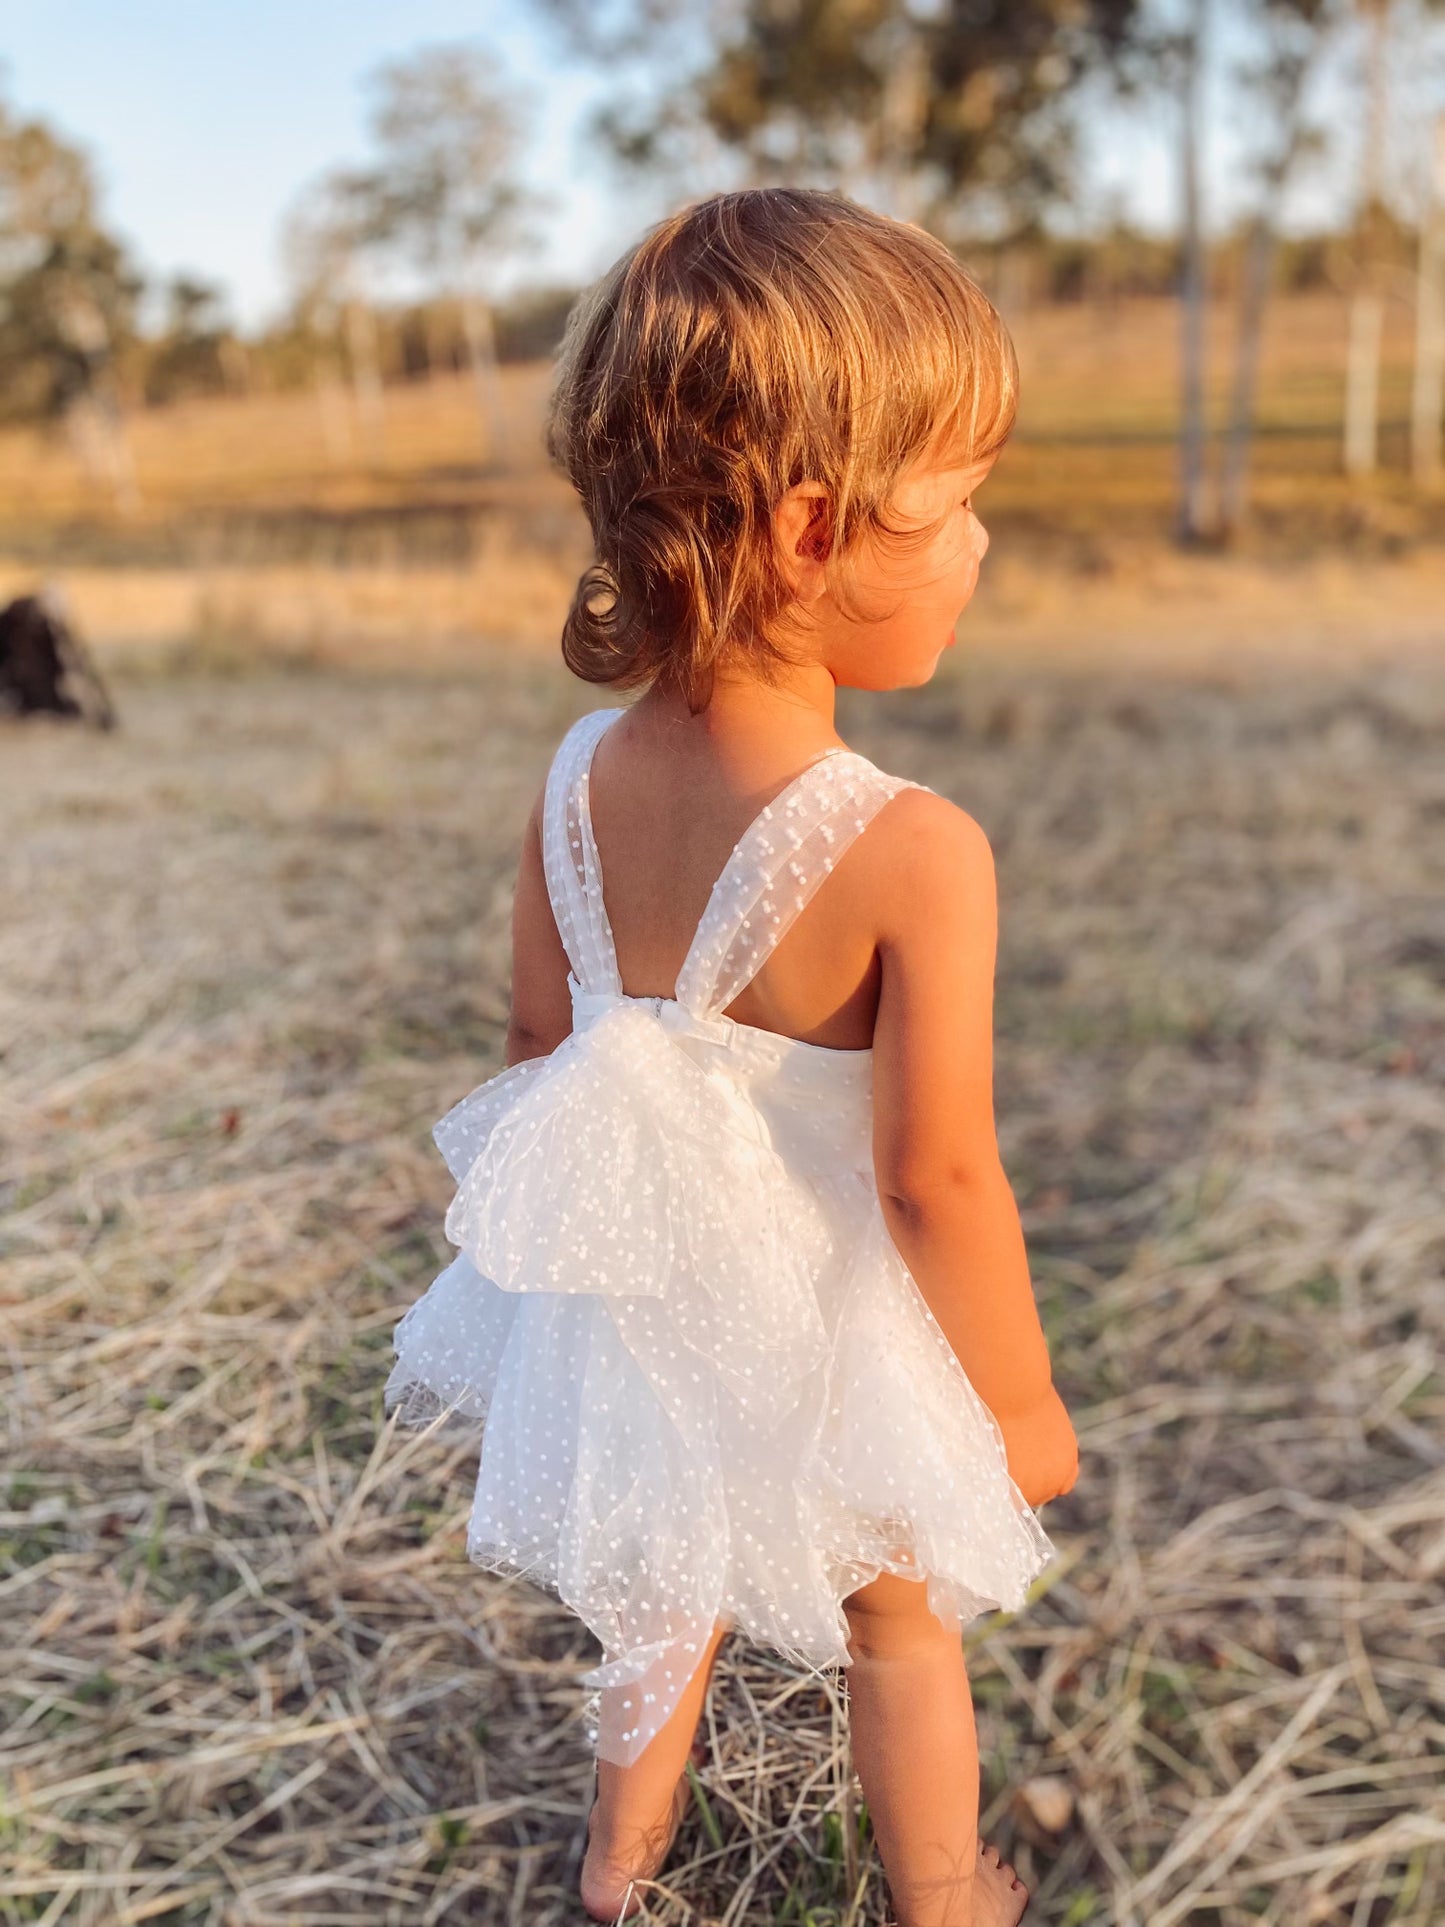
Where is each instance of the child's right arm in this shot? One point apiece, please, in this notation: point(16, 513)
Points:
point(945, 1197)
point(540, 1012)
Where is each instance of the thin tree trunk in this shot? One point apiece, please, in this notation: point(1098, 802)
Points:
point(1015, 280)
point(119, 460)
point(366, 374)
point(1287, 78)
point(331, 409)
point(904, 108)
point(1191, 447)
point(86, 434)
point(97, 419)
point(1428, 396)
point(482, 356)
point(235, 363)
point(436, 338)
point(1362, 382)
point(1253, 297)
point(1367, 305)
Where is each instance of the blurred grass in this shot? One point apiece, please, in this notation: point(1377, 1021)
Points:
point(254, 944)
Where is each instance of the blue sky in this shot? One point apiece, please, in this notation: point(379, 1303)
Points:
point(204, 119)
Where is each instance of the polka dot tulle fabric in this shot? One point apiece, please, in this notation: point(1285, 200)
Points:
point(708, 1387)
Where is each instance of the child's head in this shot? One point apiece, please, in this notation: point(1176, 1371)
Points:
point(774, 408)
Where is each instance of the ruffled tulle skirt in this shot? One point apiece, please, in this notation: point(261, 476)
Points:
point(620, 1470)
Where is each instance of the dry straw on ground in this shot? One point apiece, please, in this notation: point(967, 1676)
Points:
point(252, 946)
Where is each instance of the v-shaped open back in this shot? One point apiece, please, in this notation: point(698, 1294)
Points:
point(773, 870)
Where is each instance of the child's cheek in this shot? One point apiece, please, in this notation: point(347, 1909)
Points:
point(977, 549)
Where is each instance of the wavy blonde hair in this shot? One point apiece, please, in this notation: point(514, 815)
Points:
point(749, 342)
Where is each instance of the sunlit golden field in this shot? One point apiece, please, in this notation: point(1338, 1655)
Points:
point(272, 522)
point(1099, 400)
point(253, 944)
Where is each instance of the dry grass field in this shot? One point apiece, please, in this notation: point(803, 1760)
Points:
point(253, 944)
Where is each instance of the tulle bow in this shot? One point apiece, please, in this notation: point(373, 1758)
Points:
point(629, 1164)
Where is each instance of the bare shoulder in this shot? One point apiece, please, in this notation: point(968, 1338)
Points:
point(927, 857)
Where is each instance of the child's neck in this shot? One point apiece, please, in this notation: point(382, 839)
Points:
point(792, 715)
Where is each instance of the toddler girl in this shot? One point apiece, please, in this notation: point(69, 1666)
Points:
point(742, 1293)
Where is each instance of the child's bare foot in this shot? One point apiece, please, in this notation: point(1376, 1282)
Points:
point(609, 1879)
point(999, 1896)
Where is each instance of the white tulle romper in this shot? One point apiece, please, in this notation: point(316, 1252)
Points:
point(712, 1390)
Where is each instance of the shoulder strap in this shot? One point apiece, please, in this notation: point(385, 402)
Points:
point(569, 856)
point(779, 863)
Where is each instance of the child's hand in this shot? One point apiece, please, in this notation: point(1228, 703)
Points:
point(1043, 1453)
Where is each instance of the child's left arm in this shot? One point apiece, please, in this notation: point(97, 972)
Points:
point(541, 1008)
point(941, 1183)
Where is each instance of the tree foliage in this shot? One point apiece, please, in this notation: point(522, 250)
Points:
point(188, 355)
point(962, 107)
point(438, 196)
point(447, 133)
point(68, 291)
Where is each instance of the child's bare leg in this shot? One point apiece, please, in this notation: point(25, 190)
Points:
point(916, 1750)
point(638, 1805)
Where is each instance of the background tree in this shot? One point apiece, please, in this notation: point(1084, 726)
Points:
point(1367, 299)
point(327, 240)
point(962, 111)
point(195, 345)
point(1189, 52)
point(968, 116)
point(1427, 398)
point(68, 298)
point(441, 196)
point(1276, 88)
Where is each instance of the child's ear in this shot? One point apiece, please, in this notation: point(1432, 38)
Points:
point(803, 524)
